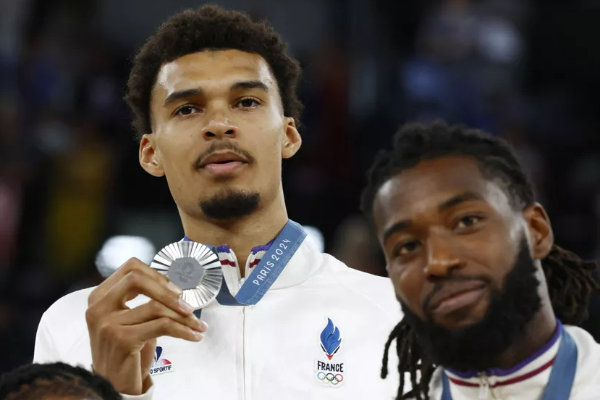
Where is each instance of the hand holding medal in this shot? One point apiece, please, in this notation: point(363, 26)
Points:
point(122, 337)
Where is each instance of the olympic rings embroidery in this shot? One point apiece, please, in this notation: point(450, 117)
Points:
point(329, 377)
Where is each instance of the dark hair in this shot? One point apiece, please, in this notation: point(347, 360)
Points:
point(570, 279)
point(209, 28)
point(40, 381)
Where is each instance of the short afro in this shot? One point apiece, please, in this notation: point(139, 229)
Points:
point(209, 28)
point(41, 381)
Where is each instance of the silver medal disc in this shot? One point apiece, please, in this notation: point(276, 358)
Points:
point(194, 267)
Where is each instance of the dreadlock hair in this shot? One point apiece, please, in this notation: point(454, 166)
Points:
point(570, 279)
point(209, 28)
point(42, 381)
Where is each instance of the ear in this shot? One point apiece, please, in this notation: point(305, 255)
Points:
point(150, 157)
point(540, 230)
point(292, 141)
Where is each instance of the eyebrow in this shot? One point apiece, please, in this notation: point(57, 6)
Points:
point(182, 94)
point(245, 85)
point(242, 85)
point(397, 227)
point(456, 200)
point(452, 202)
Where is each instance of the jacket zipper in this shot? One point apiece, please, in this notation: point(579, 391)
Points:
point(484, 387)
point(243, 343)
point(244, 348)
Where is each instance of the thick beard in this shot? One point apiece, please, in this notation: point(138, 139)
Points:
point(477, 347)
point(230, 204)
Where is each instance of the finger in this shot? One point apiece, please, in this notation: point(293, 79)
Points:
point(161, 327)
point(133, 264)
point(135, 283)
point(155, 310)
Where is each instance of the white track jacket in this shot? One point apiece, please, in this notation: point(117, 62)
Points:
point(272, 350)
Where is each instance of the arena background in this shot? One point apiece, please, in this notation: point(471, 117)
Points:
point(69, 176)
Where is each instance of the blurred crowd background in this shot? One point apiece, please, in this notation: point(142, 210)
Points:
point(525, 70)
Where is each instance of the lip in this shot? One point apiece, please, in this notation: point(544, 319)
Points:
point(224, 169)
point(456, 295)
point(221, 158)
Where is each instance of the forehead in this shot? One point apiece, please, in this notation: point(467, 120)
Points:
point(211, 70)
point(421, 189)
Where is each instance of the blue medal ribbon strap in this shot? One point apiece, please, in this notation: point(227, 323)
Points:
point(561, 378)
point(563, 370)
point(446, 395)
point(268, 269)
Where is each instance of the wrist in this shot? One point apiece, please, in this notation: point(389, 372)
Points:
point(147, 384)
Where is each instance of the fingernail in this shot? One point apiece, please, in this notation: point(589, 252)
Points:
point(174, 288)
point(198, 335)
point(202, 324)
point(185, 306)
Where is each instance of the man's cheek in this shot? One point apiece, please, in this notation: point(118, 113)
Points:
point(405, 285)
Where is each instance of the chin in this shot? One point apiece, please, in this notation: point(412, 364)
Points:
point(224, 188)
point(463, 318)
point(457, 324)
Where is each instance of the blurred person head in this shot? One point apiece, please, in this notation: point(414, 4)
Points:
point(355, 246)
point(470, 252)
point(213, 95)
point(447, 33)
point(56, 381)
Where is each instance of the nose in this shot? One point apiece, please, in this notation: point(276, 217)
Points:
point(219, 126)
point(442, 258)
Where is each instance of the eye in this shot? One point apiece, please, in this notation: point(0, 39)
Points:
point(467, 221)
point(186, 110)
point(248, 102)
point(406, 248)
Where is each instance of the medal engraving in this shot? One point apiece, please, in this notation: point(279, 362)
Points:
point(186, 273)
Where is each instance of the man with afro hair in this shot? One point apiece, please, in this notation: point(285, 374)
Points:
point(213, 94)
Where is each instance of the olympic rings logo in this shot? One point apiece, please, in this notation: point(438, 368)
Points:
point(330, 378)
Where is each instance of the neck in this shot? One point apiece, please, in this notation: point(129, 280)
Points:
point(537, 334)
point(241, 234)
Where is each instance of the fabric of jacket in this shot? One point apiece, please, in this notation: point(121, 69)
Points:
point(528, 380)
point(271, 350)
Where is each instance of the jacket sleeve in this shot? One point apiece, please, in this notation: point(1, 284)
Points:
point(45, 350)
point(145, 396)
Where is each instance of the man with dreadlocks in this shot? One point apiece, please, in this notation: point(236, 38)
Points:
point(491, 305)
point(55, 381)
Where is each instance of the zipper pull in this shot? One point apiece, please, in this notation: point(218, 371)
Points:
point(484, 387)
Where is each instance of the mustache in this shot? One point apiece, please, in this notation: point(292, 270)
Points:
point(224, 146)
point(454, 278)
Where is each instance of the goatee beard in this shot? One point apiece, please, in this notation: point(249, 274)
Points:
point(230, 204)
point(478, 346)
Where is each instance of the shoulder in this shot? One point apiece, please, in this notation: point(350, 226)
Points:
point(588, 348)
point(62, 327)
point(69, 308)
point(375, 289)
point(587, 381)
point(370, 283)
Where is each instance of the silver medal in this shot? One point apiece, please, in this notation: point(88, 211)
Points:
point(193, 267)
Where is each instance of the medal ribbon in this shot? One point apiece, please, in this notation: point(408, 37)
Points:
point(269, 268)
point(561, 378)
